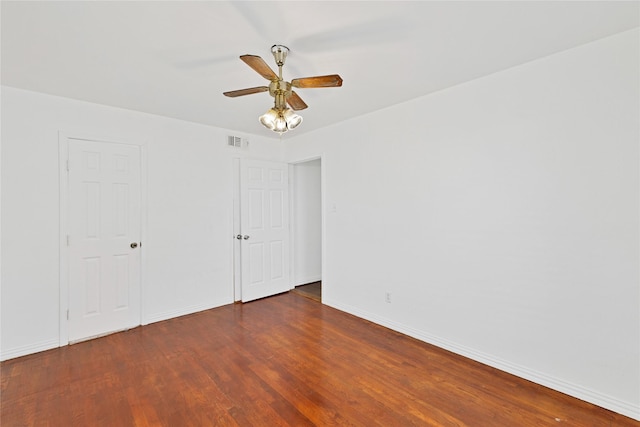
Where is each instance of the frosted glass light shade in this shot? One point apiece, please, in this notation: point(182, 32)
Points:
point(280, 125)
point(268, 119)
point(293, 120)
point(280, 120)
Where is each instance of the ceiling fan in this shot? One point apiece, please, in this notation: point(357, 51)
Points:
point(281, 118)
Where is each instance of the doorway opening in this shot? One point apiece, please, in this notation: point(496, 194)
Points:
point(306, 227)
point(310, 290)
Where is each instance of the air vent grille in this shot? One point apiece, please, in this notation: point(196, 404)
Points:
point(237, 142)
point(234, 141)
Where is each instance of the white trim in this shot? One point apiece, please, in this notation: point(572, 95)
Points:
point(28, 349)
point(306, 159)
point(292, 225)
point(236, 270)
point(63, 185)
point(144, 194)
point(63, 252)
point(577, 391)
point(323, 224)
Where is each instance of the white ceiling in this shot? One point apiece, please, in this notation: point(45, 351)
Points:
point(176, 58)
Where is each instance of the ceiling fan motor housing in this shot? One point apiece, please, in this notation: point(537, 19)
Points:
point(280, 90)
point(279, 86)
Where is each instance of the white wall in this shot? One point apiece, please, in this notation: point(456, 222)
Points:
point(187, 249)
point(502, 216)
point(307, 222)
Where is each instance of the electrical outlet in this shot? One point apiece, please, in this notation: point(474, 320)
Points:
point(387, 297)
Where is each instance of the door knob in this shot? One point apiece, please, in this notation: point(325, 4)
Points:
point(239, 236)
point(245, 237)
point(134, 245)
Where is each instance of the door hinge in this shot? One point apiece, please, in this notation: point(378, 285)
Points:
point(67, 165)
point(68, 240)
point(67, 314)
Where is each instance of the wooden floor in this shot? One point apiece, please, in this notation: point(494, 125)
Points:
point(281, 361)
point(310, 290)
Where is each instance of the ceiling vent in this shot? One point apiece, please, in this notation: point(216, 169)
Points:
point(237, 142)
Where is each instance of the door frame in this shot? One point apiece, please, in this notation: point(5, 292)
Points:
point(63, 186)
point(236, 261)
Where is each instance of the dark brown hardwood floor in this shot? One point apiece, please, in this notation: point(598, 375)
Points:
point(310, 290)
point(281, 361)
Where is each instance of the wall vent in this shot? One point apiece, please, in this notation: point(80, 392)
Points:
point(237, 142)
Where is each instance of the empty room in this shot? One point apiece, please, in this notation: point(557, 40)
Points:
point(261, 213)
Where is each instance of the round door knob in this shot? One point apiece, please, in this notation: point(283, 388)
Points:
point(134, 245)
point(245, 237)
point(239, 236)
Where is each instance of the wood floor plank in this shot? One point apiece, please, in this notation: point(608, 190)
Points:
point(281, 361)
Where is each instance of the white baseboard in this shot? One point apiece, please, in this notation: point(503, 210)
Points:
point(159, 317)
point(54, 343)
point(579, 392)
point(29, 349)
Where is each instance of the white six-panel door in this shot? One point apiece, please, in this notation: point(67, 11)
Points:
point(264, 225)
point(104, 238)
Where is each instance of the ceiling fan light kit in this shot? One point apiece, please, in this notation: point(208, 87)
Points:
point(281, 118)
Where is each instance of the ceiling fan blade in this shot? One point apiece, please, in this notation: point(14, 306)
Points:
point(248, 91)
point(332, 80)
point(260, 66)
point(296, 102)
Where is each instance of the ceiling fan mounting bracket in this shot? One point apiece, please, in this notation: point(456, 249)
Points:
point(280, 53)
